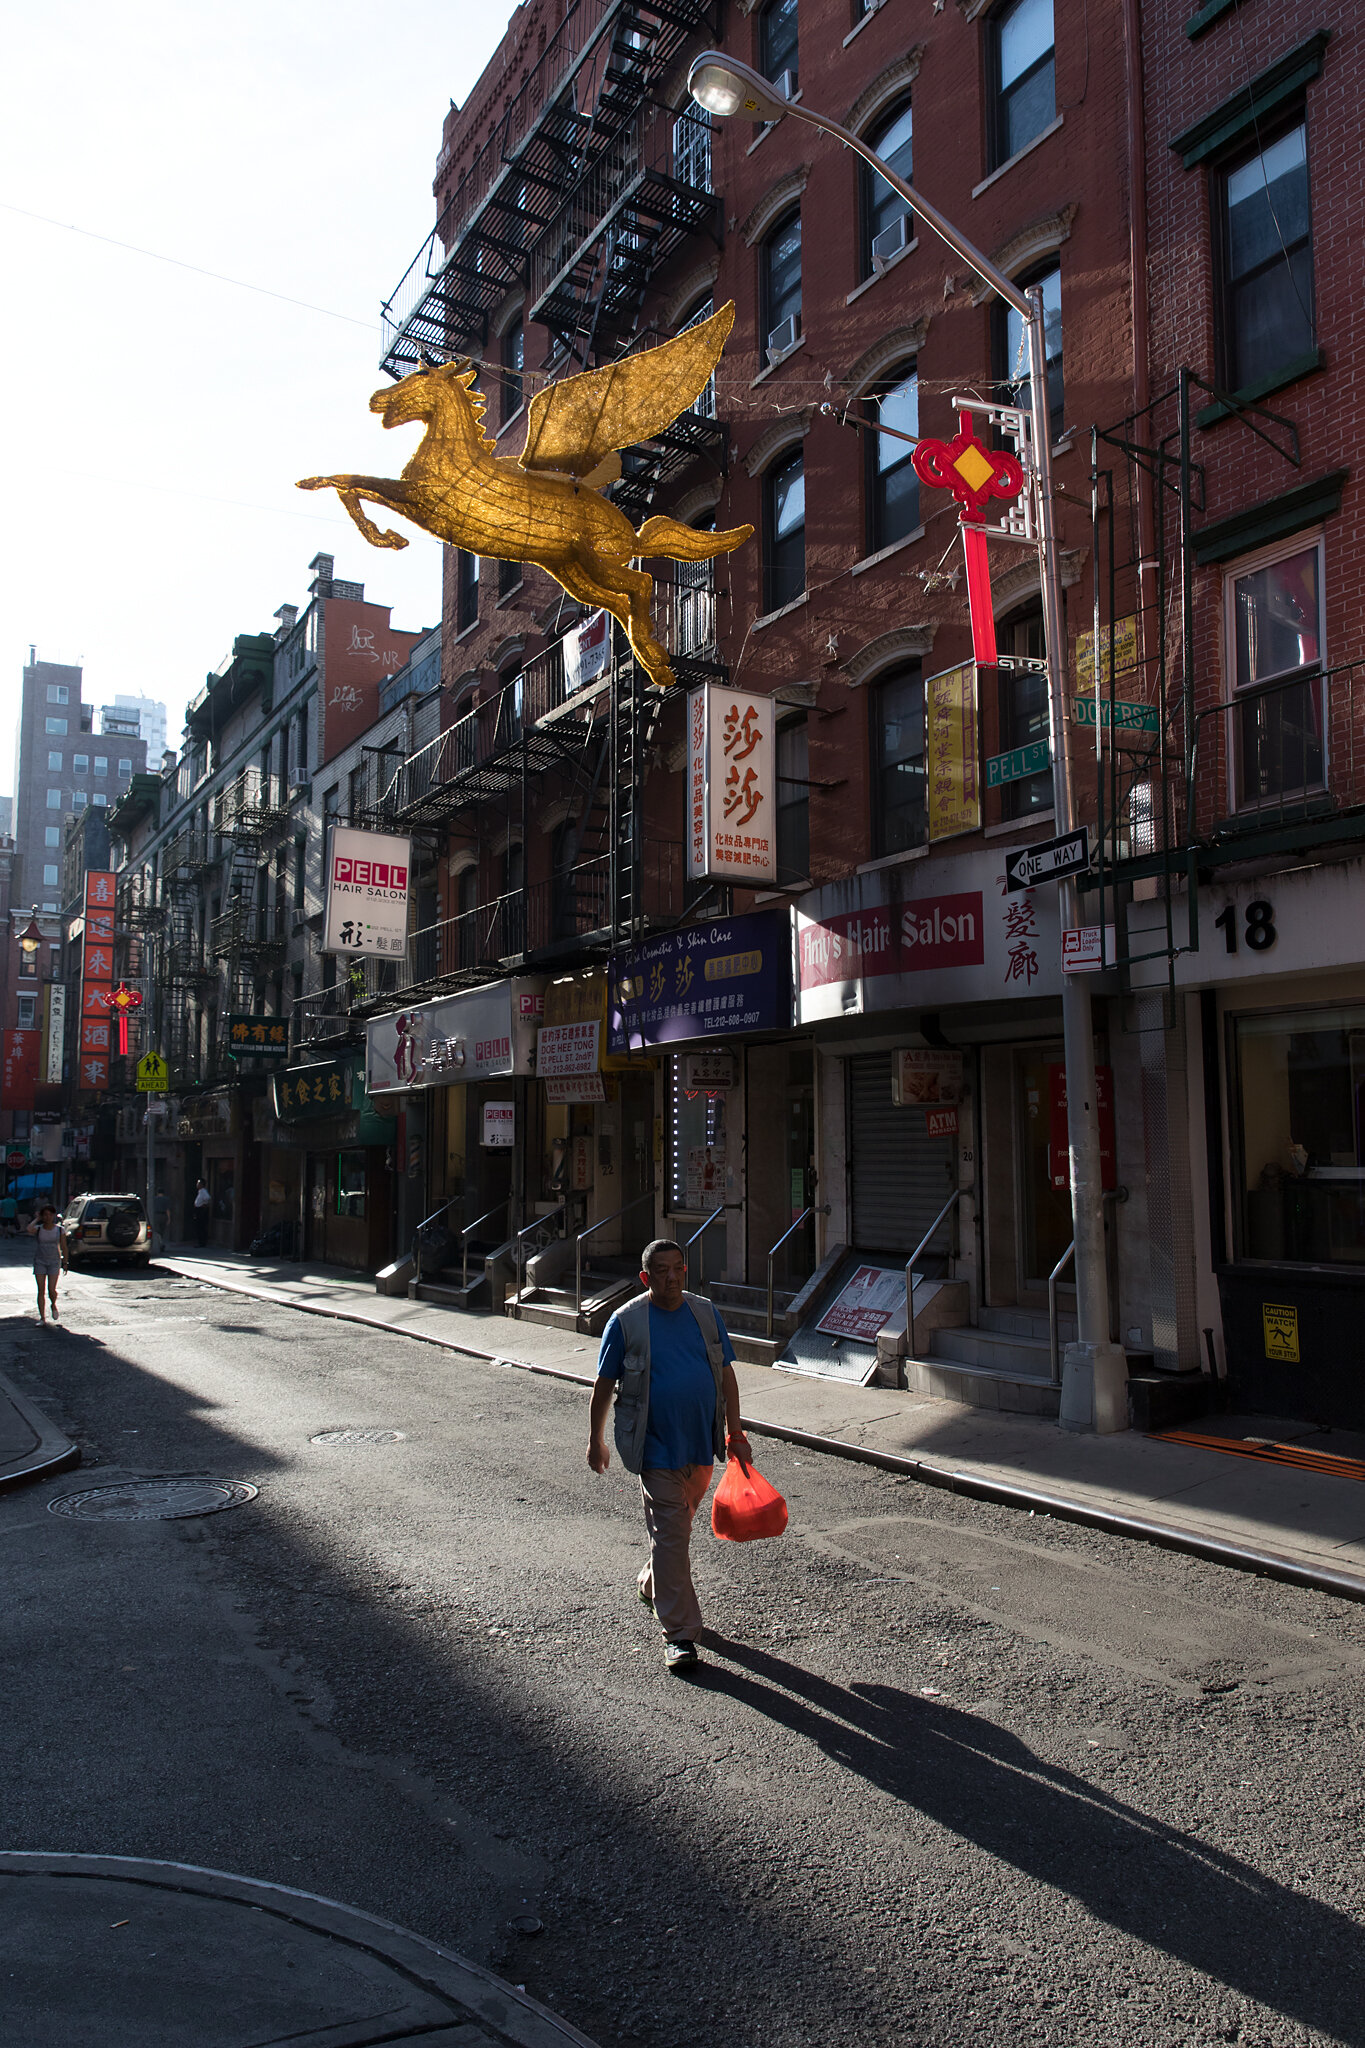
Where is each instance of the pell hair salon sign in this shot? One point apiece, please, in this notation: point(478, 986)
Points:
point(367, 893)
point(933, 932)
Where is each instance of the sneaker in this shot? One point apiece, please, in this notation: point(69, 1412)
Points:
point(680, 1657)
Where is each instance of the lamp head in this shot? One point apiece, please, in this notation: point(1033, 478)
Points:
point(31, 937)
point(724, 87)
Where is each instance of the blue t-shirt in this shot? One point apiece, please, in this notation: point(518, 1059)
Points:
point(682, 1389)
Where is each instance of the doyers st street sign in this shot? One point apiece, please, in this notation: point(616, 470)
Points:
point(1048, 862)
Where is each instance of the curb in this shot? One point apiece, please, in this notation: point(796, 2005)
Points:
point(51, 1452)
point(512, 2015)
point(1269, 1564)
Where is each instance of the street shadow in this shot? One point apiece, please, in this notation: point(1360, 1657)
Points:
point(1147, 1879)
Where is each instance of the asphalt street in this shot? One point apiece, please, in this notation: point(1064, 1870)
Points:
point(949, 1774)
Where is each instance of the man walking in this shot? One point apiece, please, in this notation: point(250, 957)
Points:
point(203, 1201)
point(669, 1362)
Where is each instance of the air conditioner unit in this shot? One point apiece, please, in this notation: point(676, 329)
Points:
point(888, 244)
point(784, 85)
point(784, 336)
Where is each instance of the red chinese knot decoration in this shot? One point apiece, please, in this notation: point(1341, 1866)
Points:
point(121, 1000)
point(974, 474)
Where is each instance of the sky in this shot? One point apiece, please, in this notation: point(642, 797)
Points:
point(155, 420)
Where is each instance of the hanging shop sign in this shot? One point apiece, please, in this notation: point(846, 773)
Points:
point(253, 1036)
point(866, 1305)
point(56, 1031)
point(21, 1063)
point(499, 1126)
point(924, 1075)
point(582, 999)
point(950, 745)
point(478, 1036)
point(703, 982)
point(576, 1088)
point(367, 893)
point(207, 1116)
point(97, 979)
point(731, 791)
point(304, 1093)
point(709, 1070)
point(862, 947)
point(1123, 639)
point(587, 652)
point(564, 1049)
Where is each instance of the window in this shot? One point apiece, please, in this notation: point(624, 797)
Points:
point(125, 767)
point(54, 799)
point(79, 799)
point(1023, 90)
point(1274, 627)
point(58, 693)
point(777, 43)
point(1266, 263)
point(692, 149)
point(51, 876)
point(100, 800)
point(696, 1144)
point(898, 762)
point(350, 1184)
point(1299, 1183)
point(466, 590)
point(513, 364)
point(887, 223)
point(54, 764)
point(101, 764)
point(1024, 716)
point(509, 578)
point(57, 727)
point(780, 285)
point(793, 801)
point(52, 835)
point(784, 521)
point(28, 1013)
point(1012, 365)
point(893, 487)
point(80, 764)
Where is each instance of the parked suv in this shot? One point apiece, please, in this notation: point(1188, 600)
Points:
point(108, 1227)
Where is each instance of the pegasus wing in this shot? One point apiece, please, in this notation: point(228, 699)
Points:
point(572, 427)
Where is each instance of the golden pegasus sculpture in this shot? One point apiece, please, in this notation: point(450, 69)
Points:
point(546, 505)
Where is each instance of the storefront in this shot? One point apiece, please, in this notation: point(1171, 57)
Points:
point(736, 1102)
point(1269, 1056)
point(457, 1073)
point(209, 1127)
point(326, 1162)
point(598, 1121)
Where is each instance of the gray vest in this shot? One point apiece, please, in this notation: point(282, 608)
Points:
point(630, 1418)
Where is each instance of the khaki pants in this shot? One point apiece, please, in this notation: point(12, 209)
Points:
point(671, 1501)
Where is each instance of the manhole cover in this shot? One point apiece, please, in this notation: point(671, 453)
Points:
point(358, 1436)
point(153, 1500)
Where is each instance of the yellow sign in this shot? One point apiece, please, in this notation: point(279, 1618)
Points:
point(1280, 1322)
point(152, 1073)
point(1125, 651)
point(950, 752)
point(548, 505)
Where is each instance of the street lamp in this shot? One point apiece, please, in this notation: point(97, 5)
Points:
point(31, 937)
point(1094, 1382)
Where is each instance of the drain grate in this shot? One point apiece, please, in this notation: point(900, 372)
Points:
point(153, 1500)
point(358, 1436)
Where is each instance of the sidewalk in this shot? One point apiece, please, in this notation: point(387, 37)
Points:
point(1308, 1527)
point(176, 1957)
point(30, 1445)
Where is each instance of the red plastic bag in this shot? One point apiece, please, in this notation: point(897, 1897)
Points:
point(745, 1507)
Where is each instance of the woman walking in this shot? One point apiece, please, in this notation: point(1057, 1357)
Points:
point(49, 1256)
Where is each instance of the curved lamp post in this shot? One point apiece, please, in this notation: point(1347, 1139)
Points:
point(725, 88)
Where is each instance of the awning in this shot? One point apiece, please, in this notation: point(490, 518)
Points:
point(483, 1033)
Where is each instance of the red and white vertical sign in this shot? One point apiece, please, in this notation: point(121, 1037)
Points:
point(731, 787)
point(97, 980)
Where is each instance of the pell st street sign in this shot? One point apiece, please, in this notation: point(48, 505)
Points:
point(1048, 862)
point(1019, 762)
point(152, 1073)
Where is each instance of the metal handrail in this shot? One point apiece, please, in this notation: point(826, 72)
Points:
point(811, 1209)
point(444, 1208)
point(615, 1217)
point(910, 1282)
point(1053, 1277)
point(529, 1230)
point(701, 1233)
point(470, 1229)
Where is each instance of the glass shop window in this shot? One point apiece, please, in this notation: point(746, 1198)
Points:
point(1274, 630)
point(351, 1184)
point(696, 1144)
point(1299, 1179)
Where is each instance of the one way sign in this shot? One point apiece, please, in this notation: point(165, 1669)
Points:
point(1049, 861)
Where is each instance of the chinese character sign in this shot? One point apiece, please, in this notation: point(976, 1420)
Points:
point(253, 1036)
point(97, 976)
point(731, 787)
point(56, 1031)
point(367, 894)
point(706, 981)
point(20, 1069)
point(950, 747)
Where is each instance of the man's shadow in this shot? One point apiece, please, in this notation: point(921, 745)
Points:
point(1182, 1897)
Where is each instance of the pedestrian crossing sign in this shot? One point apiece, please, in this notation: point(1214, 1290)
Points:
point(152, 1073)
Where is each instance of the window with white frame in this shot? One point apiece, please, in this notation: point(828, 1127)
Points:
point(125, 767)
point(58, 693)
point(52, 835)
point(80, 764)
point(1273, 622)
point(51, 877)
point(101, 764)
point(54, 764)
point(27, 1019)
point(54, 799)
